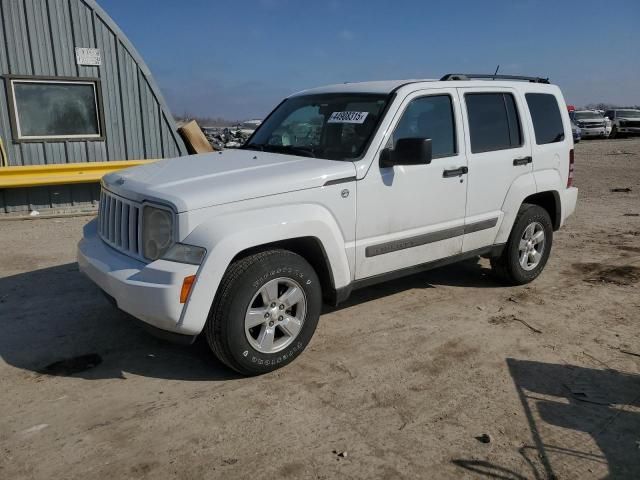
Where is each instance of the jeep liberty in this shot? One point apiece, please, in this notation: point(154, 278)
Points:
point(339, 188)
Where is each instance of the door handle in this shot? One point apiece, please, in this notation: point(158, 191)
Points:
point(456, 172)
point(522, 161)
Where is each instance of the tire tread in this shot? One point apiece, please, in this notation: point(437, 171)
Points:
point(214, 328)
point(501, 266)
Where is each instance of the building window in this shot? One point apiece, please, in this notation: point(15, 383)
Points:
point(55, 109)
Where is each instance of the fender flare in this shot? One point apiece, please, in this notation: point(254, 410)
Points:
point(541, 181)
point(227, 235)
point(521, 188)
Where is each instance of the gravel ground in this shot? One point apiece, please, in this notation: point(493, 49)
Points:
point(445, 374)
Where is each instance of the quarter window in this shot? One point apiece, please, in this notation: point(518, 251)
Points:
point(493, 122)
point(430, 117)
point(55, 109)
point(547, 121)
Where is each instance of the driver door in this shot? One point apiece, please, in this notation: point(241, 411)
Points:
point(413, 214)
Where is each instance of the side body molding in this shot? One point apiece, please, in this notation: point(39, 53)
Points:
point(226, 235)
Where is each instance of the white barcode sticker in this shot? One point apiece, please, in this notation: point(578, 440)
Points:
point(348, 117)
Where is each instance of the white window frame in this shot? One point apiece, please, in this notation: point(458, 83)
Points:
point(15, 114)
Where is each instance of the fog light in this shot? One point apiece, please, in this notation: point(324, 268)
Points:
point(183, 253)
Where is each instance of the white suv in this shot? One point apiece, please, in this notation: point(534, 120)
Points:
point(340, 187)
point(626, 121)
point(591, 123)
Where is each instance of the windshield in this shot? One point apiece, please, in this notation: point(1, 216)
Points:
point(331, 126)
point(588, 116)
point(628, 113)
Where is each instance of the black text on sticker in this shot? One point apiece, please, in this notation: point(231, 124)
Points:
point(347, 117)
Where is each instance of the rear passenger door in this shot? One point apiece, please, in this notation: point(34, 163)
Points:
point(498, 152)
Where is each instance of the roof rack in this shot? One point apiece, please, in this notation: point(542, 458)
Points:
point(468, 76)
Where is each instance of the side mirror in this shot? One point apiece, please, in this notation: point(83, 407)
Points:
point(408, 151)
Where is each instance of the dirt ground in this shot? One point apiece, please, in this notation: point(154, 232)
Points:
point(401, 382)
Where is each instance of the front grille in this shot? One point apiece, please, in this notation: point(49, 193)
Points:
point(119, 223)
point(631, 123)
point(593, 125)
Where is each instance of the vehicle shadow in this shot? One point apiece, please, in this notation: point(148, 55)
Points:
point(602, 404)
point(54, 321)
point(57, 315)
point(468, 273)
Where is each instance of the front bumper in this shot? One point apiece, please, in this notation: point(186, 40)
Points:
point(593, 132)
point(629, 130)
point(149, 292)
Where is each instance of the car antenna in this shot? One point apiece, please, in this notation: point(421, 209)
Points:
point(496, 72)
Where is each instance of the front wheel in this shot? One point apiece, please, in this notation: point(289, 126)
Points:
point(528, 248)
point(265, 313)
point(614, 133)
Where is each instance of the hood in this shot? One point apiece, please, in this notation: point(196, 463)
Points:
point(209, 179)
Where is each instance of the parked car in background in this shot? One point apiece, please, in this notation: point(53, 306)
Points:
point(625, 121)
point(577, 133)
point(608, 126)
point(590, 122)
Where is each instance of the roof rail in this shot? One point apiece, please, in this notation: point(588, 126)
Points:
point(469, 76)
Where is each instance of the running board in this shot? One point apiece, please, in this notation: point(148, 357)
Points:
point(342, 294)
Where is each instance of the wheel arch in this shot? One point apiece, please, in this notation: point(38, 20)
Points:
point(539, 188)
point(550, 201)
point(312, 250)
point(306, 229)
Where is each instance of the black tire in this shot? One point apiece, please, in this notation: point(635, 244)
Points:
point(225, 330)
point(614, 132)
point(507, 267)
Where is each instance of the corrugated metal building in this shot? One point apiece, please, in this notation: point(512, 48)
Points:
point(74, 90)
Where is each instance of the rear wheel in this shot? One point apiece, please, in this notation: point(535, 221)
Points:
point(527, 250)
point(265, 312)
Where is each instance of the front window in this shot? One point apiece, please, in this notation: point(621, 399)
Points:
point(588, 116)
point(331, 126)
point(430, 117)
point(628, 113)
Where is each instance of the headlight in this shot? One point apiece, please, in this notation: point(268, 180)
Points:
point(183, 253)
point(157, 232)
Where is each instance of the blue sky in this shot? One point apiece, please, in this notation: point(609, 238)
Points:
point(237, 59)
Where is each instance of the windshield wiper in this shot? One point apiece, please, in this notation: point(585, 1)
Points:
point(252, 146)
point(280, 149)
point(307, 152)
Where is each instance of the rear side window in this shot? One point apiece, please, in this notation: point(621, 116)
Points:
point(493, 122)
point(547, 121)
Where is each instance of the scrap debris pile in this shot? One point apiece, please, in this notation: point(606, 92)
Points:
point(225, 137)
